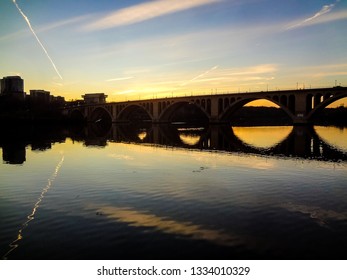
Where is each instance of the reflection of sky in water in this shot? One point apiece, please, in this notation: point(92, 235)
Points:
point(15, 243)
point(142, 135)
point(333, 136)
point(319, 215)
point(137, 218)
point(221, 198)
point(189, 139)
point(262, 137)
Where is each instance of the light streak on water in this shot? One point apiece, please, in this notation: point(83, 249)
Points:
point(37, 38)
point(15, 243)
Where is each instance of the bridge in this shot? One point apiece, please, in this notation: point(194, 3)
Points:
point(299, 105)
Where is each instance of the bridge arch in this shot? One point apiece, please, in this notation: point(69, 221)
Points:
point(319, 103)
point(76, 115)
point(100, 114)
point(281, 101)
point(135, 112)
point(183, 111)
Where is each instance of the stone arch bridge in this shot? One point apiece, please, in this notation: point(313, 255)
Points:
point(299, 105)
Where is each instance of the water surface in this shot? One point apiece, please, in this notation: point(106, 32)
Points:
point(174, 193)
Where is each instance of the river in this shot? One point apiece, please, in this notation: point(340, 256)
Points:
point(173, 192)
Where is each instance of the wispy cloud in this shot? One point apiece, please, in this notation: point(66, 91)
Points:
point(37, 38)
point(327, 70)
point(200, 76)
point(262, 72)
point(145, 11)
point(124, 92)
point(58, 84)
point(14, 35)
point(252, 70)
point(62, 23)
point(315, 18)
point(119, 79)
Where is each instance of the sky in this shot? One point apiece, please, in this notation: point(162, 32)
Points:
point(131, 49)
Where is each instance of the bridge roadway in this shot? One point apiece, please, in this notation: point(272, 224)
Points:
point(300, 105)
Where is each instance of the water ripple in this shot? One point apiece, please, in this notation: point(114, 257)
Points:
point(15, 243)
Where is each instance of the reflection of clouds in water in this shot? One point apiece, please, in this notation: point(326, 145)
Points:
point(320, 215)
point(333, 136)
point(262, 137)
point(122, 157)
point(143, 219)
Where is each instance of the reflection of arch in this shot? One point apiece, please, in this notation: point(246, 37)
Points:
point(99, 129)
point(133, 133)
point(177, 136)
point(302, 142)
point(330, 137)
point(191, 136)
point(189, 139)
point(286, 104)
point(169, 112)
point(134, 113)
point(262, 137)
point(228, 141)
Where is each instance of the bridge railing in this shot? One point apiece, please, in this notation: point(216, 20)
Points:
point(136, 98)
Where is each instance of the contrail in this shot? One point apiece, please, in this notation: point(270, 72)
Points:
point(37, 38)
point(324, 10)
point(201, 75)
point(15, 243)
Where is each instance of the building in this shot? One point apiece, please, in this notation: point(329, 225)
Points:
point(94, 98)
point(13, 86)
point(58, 99)
point(40, 95)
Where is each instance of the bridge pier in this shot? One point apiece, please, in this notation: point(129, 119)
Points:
point(301, 121)
point(300, 110)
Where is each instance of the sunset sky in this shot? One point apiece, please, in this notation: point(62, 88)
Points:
point(132, 49)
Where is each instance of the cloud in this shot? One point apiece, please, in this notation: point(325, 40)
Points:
point(320, 17)
point(62, 23)
point(124, 92)
point(58, 84)
point(14, 35)
point(119, 79)
point(145, 11)
point(327, 70)
point(252, 70)
point(222, 78)
point(323, 70)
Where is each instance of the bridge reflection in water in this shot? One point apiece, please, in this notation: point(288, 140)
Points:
point(287, 141)
point(322, 143)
